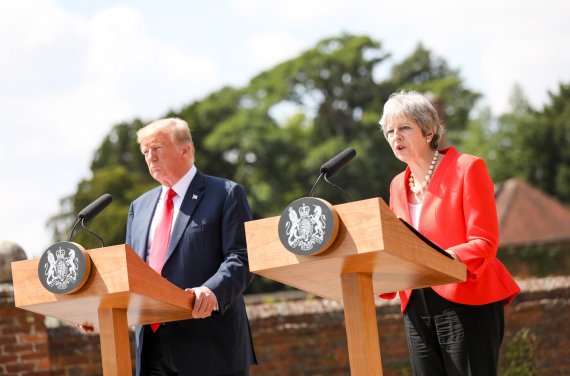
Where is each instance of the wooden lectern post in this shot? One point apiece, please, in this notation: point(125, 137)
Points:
point(361, 325)
point(121, 290)
point(374, 252)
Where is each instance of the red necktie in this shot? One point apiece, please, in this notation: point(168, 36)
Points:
point(161, 238)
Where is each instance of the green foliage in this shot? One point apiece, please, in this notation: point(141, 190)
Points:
point(478, 136)
point(118, 149)
point(537, 261)
point(526, 143)
point(273, 135)
point(428, 74)
point(116, 180)
point(519, 355)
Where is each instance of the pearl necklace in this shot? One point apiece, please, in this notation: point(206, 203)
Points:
point(417, 190)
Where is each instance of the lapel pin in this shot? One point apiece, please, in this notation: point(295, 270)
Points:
point(194, 197)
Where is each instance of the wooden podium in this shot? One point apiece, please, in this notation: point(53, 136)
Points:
point(121, 290)
point(374, 252)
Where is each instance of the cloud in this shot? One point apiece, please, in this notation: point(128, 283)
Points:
point(493, 44)
point(263, 51)
point(68, 76)
point(65, 81)
point(291, 10)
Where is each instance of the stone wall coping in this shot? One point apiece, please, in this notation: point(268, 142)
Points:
point(296, 302)
point(291, 303)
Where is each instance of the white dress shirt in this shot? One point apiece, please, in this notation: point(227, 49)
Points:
point(181, 187)
point(415, 210)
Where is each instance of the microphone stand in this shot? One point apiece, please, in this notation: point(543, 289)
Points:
point(324, 175)
point(314, 185)
point(345, 194)
point(86, 229)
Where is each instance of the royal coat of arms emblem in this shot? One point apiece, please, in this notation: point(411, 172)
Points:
point(308, 226)
point(62, 267)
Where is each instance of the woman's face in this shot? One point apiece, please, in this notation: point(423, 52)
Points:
point(406, 139)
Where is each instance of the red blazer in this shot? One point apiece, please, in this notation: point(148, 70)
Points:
point(459, 213)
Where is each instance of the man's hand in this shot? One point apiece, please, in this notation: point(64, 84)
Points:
point(204, 303)
point(85, 327)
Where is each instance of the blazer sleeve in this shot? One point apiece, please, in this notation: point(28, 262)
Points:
point(233, 276)
point(481, 222)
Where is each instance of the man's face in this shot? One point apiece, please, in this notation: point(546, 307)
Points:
point(167, 161)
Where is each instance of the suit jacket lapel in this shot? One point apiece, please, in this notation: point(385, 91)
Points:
point(145, 217)
point(193, 196)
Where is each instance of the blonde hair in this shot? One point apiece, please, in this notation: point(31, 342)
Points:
point(175, 127)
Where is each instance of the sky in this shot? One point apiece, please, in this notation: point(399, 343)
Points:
point(70, 70)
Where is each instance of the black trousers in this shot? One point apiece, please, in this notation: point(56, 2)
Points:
point(157, 361)
point(447, 338)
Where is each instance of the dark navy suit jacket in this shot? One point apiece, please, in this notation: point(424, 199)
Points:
point(207, 247)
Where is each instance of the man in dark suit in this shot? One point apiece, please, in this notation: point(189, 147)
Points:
point(204, 250)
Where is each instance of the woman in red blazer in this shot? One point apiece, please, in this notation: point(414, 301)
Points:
point(454, 329)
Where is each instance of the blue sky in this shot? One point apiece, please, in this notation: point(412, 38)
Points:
point(70, 70)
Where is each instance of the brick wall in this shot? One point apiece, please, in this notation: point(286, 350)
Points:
point(544, 307)
point(294, 334)
point(307, 337)
point(299, 335)
point(23, 339)
point(75, 353)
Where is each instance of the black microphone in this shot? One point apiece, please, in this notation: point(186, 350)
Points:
point(90, 212)
point(334, 165)
point(94, 208)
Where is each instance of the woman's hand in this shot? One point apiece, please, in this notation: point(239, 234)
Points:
point(452, 254)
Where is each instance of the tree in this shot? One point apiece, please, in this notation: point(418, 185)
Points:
point(553, 145)
point(527, 143)
point(273, 135)
point(430, 74)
